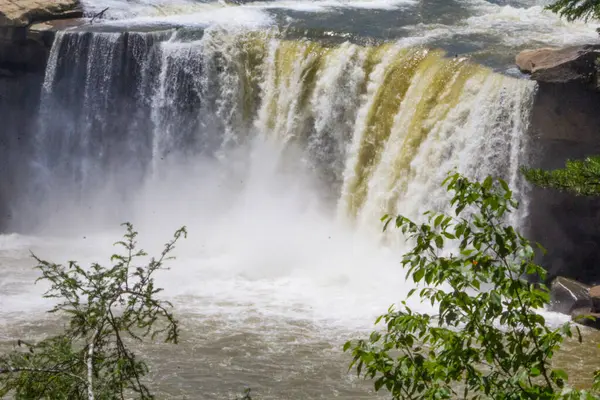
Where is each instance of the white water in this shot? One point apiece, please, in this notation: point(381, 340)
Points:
point(270, 201)
point(509, 26)
point(261, 205)
point(269, 249)
point(520, 23)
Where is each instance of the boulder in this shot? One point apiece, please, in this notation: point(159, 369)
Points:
point(580, 301)
point(575, 64)
point(567, 295)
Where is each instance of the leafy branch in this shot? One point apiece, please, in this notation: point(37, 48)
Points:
point(485, 339)
point(581, 177)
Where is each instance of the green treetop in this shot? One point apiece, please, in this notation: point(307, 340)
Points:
point(576, 9)
point(581, 177)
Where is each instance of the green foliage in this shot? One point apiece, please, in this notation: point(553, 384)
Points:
point(581, 177)
point(485, 339)
point(107, 307)
point(576, 9)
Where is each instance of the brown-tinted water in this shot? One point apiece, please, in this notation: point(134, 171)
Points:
point(276, 344)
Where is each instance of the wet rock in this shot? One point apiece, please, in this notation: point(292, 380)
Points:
point(43, 32)
point(567, 295)
point(580, 301)
point(575, 64)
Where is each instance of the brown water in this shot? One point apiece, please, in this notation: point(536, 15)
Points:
point(228, 345)
point(277, 359)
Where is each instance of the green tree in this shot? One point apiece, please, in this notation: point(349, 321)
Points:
point(485, 339)
point(107, 308)
point(576, 9)
point(581, 177)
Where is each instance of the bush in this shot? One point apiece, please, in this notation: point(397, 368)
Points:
point(105, 306)
point(485, 340)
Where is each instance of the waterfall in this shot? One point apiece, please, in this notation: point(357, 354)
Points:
point(379, 126)
point(93, 115)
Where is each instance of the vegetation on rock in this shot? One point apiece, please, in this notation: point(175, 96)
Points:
point(581, 177)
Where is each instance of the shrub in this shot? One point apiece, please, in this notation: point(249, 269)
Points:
point(485, 339)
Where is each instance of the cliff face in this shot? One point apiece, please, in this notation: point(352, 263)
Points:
point(23, 48)
point(25, 41)
point(19, 98)
point(565, 125)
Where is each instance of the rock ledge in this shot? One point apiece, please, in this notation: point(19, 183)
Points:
point(19, 13)
point(22, 49)
point(575, 64)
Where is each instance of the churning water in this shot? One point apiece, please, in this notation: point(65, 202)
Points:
point(279, 133)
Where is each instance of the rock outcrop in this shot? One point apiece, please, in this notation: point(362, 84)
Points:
point(563, 125)
point(576, 64)
point(23, 13)
point(23, 49)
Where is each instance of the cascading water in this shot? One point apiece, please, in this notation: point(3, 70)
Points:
point(89, 90)
point(378, 126)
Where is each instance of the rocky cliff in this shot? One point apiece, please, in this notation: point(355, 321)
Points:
point(23, 48)
point(565, 124)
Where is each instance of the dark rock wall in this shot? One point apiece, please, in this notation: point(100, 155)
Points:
point(565, 125)
point(19, 99)
point(21, 52)
point(23, 57)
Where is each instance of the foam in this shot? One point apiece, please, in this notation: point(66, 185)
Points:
point(270, 248)
point(207, 15)
point(187, 12)
point(331, 5)
point(512, 26)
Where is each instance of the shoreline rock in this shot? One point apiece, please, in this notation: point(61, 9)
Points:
point(567, 295)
